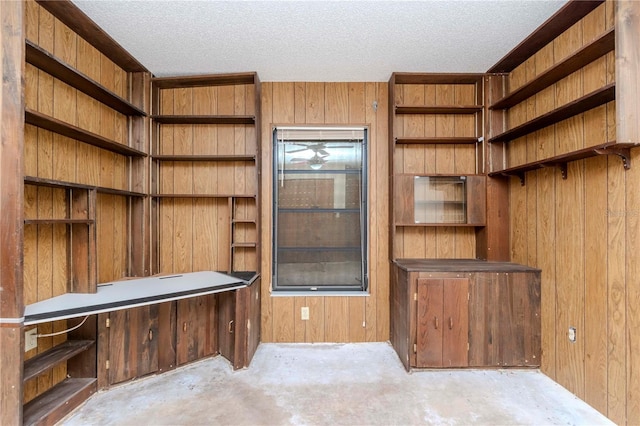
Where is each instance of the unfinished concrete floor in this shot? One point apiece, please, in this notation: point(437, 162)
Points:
point(331, 384)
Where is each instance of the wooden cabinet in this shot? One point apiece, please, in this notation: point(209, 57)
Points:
point(439, 200)
point(196, 334)
point(442, 335)
point(465, 313)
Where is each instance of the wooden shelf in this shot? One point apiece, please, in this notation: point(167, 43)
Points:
point(249, 221)
point(42, 362)
point(243, 245)
point(202, 196)
point(63, 72)
point(52, 183)
point(205, 80)
point(58, 401)
point(422, 78)
point(443, 109)
point(58, 221)
point(204, 119)
point(450, 224)
point(437, 141)
point(564, 18)
point(65, 129)
point(238, 157)
point(585, 103)
point(573, 63)
point(560, 161)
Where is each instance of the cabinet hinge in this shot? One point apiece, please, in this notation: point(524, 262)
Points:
point(108, 323)
point(415, 348)
point(106, 365)
point(415, 296)
point(468, 296)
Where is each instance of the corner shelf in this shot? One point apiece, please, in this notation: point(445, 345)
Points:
point(204, 119)
point(233, 157)
point(52, 183)
point(202, 196)
point(205, 80)
point(589, 53)
point(58, 401)
point(65, 129)
point(560, 161)
point(444, 109)
point(40, 363)
point(59, 221)
point(43, 60)
point(580, 105)
point(437, 141)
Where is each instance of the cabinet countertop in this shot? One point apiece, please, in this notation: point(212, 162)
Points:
point(460, 265)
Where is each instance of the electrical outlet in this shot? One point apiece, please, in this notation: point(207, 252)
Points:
point(31, 339)
point(304, 313)
point(572, 334)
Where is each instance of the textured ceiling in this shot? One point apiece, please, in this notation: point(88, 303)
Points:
point(318, 40)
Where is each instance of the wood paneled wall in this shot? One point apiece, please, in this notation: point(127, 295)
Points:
point(331, 318)
point(583, 232)
point(52, 156)
point(435, 242)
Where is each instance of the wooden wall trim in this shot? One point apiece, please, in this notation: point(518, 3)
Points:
point(12, 198)
point(627, 70)
point(74, 18)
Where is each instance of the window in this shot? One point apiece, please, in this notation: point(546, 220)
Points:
point(320, 209)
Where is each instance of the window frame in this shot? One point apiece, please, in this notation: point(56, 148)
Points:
point(363, 287)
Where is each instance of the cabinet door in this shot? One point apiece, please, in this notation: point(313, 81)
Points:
point(442, 322)
point(132, 346)
point(196, 335)
point(455, 349)
point(226, 324)
point(429, 322)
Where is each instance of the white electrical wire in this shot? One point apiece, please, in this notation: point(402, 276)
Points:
point(63, 331)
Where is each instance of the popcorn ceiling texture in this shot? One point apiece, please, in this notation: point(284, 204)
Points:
point(318, 40)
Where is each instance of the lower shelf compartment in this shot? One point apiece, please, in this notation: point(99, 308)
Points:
point(58, 401)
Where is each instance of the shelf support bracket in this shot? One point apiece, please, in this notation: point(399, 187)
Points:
point(521, 177)
point(563, 170)
point(623, 153)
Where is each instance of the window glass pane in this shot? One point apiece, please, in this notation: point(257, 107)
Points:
point(319, 209)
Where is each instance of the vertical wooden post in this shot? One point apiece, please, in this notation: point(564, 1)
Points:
point(492, 241)
point(11, 216)
point(627, 69)
point(139, 207)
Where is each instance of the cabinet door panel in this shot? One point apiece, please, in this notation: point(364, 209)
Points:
point(429, 323)
point(133, 347)
point(196, 328)
point(456, 328)
point(226, 324)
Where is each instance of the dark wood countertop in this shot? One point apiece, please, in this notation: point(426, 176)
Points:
point(460, 265)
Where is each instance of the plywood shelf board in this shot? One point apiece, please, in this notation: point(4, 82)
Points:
point(58, 221)
point(443, 109)
point(437, 141)
point(204, 119)
point(203, 196)
point(65, 129)
point(238, 157)
point(60, 353)
point(564, 18)
point(205, 80)
point(584, 56)
point(243, 245)
point(439, 225)
point(58, 401)
point(48, 63)
point(580, 105)
point(560, 161)
point(421, 78)
point(33, 180)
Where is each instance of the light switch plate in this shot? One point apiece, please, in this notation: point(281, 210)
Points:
point(572, 334)
point(304, 313)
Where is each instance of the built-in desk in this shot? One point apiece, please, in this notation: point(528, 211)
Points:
point(465, 313)
point(132, 293)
